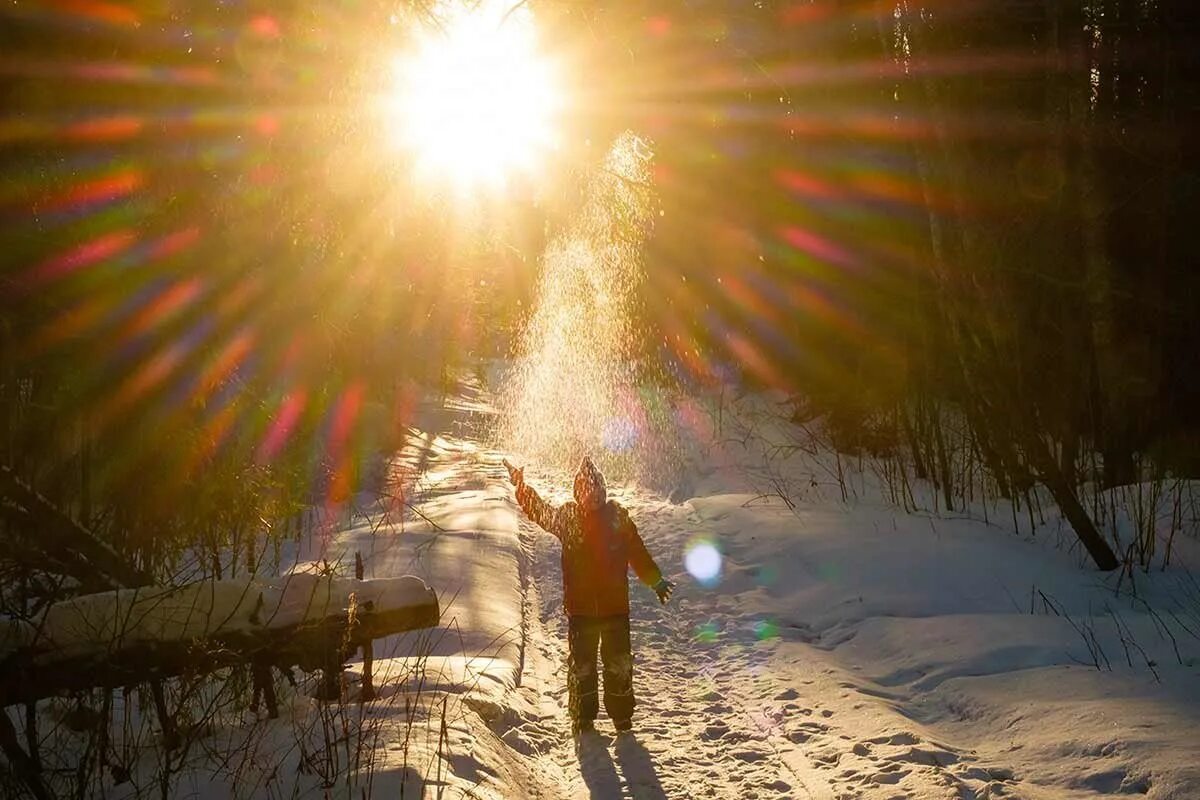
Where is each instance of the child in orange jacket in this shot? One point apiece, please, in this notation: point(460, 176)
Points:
point(599, 545)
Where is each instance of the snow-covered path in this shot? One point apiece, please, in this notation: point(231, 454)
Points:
point(853, 653)
point(695, 733)
point(847, 651)
point(747, 714)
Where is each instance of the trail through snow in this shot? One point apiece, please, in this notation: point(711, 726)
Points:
point(705, 726)
point(736, 714)
point(847, 651)
point(841, 658)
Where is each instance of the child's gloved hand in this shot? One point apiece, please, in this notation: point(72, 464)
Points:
point(515, 474)
point(663, 589)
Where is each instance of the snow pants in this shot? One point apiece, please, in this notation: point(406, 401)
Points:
point(611, 636)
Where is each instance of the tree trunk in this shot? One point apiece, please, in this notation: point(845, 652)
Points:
point(1068, 502)
point(63, 540)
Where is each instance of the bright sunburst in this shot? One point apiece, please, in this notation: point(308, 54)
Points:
point(474, 99)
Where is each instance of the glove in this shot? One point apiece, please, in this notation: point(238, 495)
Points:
point(663, 589)
point(516, 475)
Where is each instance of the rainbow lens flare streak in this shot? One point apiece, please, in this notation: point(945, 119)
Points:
point(160, 197)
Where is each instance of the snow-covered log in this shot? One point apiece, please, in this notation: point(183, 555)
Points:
point(128, 636)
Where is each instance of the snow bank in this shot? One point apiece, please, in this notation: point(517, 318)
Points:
point(1035, 677)
point(463, 544)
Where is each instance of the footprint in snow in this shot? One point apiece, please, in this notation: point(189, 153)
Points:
point(881, 778)
point(986, 774)
point(896, 738)
point(928, 756)
point(827, 758)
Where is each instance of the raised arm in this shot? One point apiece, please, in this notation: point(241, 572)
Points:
point(547, 516)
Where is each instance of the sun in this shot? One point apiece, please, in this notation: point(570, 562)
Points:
point(474, 100)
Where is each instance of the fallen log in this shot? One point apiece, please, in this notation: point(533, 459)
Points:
point(130, 636)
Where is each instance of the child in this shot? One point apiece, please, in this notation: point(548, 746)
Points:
point(599, 544)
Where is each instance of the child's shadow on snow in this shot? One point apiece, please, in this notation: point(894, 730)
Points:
point(597, 768)
point(637, 768)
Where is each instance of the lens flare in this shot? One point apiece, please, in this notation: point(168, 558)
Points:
point(766, 575)
point(707, 632)
point(765, 629)
point(703, 562)
point(619, 434)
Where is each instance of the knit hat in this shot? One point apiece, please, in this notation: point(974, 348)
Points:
point(590, 493)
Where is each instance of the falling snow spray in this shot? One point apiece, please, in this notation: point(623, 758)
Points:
point(577, 387)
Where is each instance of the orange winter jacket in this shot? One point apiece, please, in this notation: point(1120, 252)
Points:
point(597, 551)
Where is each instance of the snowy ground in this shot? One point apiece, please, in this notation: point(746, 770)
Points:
point(851, 652)
point(845, 650)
